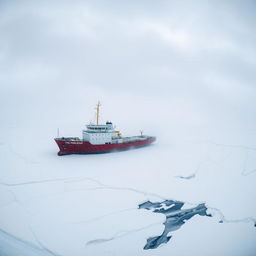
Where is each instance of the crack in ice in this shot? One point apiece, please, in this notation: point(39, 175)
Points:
point(192, 175)
point(119, 234)
point(223, 219)
point(245, 172)
point(231, 145)
point(32, 182)
point(189, 177)
point(104, 186)
point(22, 247)
point(42, 245)
point(105, 215)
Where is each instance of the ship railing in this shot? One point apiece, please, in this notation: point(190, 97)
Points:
point(134, 138)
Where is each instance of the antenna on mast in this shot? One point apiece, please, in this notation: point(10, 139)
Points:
point(97, 112)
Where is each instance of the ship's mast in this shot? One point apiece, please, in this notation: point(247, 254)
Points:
point(97, 112)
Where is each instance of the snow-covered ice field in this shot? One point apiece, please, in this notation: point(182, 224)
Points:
point(183, 72)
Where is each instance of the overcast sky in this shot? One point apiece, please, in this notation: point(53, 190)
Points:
point(189, 62)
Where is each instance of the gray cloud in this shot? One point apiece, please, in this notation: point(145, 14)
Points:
point(199, 54)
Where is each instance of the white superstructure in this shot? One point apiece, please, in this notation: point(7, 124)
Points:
point(101, 134)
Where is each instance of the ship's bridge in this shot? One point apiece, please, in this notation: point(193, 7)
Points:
point(100, 128)
point(100, 133)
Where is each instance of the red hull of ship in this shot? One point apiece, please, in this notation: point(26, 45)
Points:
point(84, 147)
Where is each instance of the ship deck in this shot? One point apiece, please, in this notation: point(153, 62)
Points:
point(125, 139)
